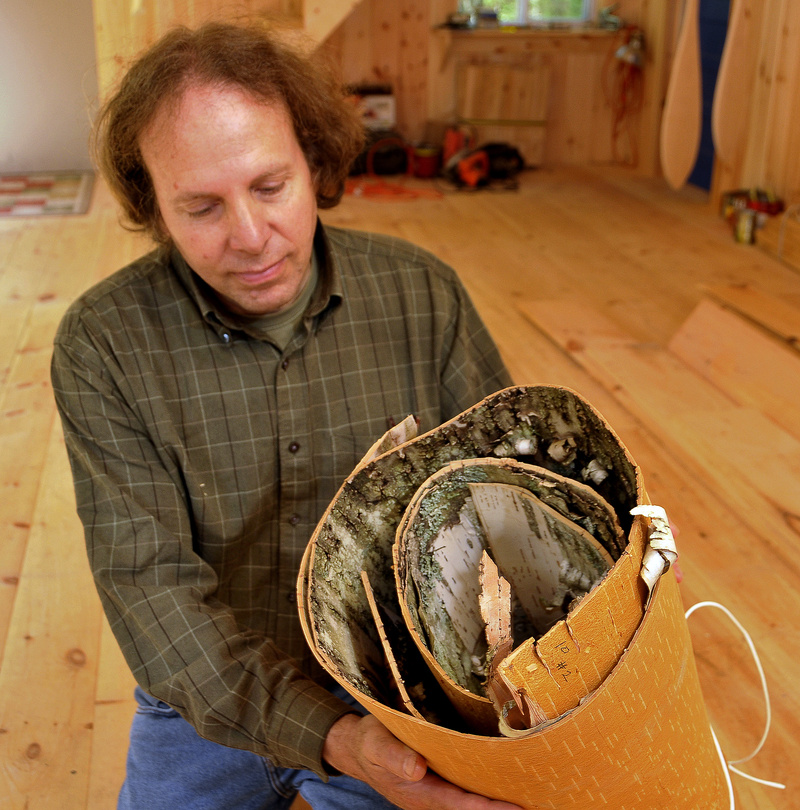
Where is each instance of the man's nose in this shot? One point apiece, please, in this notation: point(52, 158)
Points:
point(249, 228)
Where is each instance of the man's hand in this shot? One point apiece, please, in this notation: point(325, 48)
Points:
point(364, 748)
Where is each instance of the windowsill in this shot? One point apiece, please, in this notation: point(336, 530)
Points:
point(521, 31)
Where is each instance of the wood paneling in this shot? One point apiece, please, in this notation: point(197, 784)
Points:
point(318, 18)
point(374, 43)
point(403, 44)
point(775, 316)
point(741, 357)
point(767, 154)
point(780, 236)
point(506, 102)
point(398, 41)
point(389, 41)
point(565, 72)
point(123, 29)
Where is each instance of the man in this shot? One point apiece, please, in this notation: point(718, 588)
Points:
point(215, 394)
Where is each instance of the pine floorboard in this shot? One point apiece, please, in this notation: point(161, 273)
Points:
point(584, 276)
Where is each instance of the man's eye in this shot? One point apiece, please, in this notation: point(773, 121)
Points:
point(271, 190)
point(198, 213)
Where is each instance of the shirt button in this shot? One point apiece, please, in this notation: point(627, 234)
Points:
point(291, 597)
point(294, 447)
point(285, 365)
point(294, 519)
point(226, 337)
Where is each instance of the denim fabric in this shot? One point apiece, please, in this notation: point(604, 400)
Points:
point(170, 767)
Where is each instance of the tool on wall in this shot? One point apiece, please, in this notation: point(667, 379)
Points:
point(681, 121)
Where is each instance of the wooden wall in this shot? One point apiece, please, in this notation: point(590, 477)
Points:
point(769, 155)
point(393, 41)
point(400, 42)
point(123, 29)
point(573, 122)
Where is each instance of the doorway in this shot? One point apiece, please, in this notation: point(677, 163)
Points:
point(713, 17)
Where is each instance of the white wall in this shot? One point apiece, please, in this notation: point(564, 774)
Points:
point(48, 84)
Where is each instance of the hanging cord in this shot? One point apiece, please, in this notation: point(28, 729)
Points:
point(729, 765)
point(623, 90)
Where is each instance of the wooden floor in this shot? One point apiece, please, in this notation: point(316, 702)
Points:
point(633, 295)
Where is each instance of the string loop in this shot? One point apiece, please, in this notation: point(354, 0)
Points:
point(729, 765)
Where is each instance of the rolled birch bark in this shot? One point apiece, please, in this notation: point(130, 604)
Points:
point(610, 688)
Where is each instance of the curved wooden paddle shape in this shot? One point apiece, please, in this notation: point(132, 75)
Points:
point(734, 81)
point(681, 122)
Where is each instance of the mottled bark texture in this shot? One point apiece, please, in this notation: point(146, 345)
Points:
point(546, 441)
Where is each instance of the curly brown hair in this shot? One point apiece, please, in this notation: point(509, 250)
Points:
point(224, 54)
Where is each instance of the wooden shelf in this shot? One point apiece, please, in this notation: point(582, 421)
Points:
point(523, 32)
point(521, 40)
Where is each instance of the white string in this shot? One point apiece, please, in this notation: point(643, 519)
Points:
point(728, 765)
point(725, 770)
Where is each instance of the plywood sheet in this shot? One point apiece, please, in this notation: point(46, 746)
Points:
point(775, 315)
point(751, 461)
point(755, 369)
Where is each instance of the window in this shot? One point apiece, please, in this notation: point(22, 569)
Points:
point(543, 12)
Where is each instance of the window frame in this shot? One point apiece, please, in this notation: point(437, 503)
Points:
point(522, 16)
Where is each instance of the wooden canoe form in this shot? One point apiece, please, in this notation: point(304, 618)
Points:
point(391, 609)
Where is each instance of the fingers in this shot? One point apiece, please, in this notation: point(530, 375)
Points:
point(384, 750)
point(438, 794)
point(363, 747)
point(414, 767)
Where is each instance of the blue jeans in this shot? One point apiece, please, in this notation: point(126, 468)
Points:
point(170, 767)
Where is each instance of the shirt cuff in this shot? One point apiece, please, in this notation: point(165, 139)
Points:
point(300, 725)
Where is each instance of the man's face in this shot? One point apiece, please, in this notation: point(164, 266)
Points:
point(236, 195)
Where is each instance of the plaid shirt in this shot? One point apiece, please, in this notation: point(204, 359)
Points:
point(203, 457)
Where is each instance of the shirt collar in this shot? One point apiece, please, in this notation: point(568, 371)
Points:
point(327, 295)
